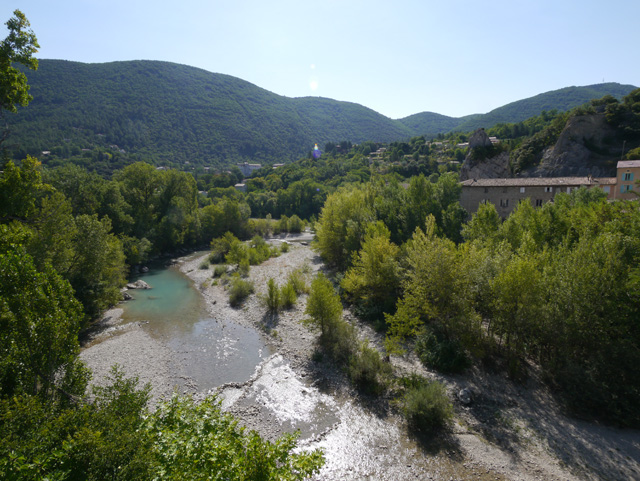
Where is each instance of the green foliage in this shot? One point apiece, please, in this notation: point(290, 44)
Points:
point(102, 439)
point(115, 437)
point(436, 292)
point(288, 295)
point(193, 440)
point(530, 152)
point(373, 281)
point(230, 120)
point(18, 47)
point(324, 308)
point(239, 290)
point(219, 270)
point(437, 351)
point(221, 246)
point(368, 371)
point(39, 324)
point(427, 407)
point(297, 280)
point(273, 300)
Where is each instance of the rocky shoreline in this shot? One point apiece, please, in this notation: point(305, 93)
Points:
point(504, 431)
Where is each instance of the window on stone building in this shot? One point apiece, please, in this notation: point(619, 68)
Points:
point(548, 189)
point(522, 190)
point(538, 202)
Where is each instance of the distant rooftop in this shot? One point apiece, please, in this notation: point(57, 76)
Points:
point(628, 164)
point(541, 181)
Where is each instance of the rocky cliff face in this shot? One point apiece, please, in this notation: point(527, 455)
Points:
point(495, 167)
point(586, 146)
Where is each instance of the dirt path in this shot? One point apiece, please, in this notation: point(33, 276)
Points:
point(508, 432)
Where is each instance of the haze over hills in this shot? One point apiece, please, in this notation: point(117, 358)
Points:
point(173, 114)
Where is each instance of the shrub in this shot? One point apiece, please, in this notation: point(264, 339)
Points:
point(204, 265)
point(219, 270)
point(243, 268)
point(284, 247)
point(239, 290)
point(437, 351)
point(288, 296)
point(282, 225)
point(220, 247)
point(297, 281)
point(273, 296)
point(427, 407)
point(368, 371)
point(296, 224)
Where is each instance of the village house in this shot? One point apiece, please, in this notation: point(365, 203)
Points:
point(628, 175)
point(246, 168)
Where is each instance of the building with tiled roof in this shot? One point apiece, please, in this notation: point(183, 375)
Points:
point(506, 193)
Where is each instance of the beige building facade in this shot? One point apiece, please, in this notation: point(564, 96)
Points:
point(627, 178)
point(506, 193)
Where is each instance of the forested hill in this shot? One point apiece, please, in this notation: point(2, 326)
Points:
point(175, 113)
point(562, 100)
point(106, 116)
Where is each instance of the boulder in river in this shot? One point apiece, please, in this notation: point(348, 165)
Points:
point(139, 284)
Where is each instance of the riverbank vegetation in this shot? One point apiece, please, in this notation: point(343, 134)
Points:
point(557, 285)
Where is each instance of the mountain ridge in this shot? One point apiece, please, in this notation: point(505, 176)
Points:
point(175, 114)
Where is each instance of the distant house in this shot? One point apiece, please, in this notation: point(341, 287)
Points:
point(628, 175)
point(246, 168)
point(506, 193)
point(241, 187)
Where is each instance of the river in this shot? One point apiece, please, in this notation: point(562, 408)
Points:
point(213, 351)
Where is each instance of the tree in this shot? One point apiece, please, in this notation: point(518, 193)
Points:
point(39, 325)
point(373, 281)
point(18, 47)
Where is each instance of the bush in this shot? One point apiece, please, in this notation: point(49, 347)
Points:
point(297, 281)
point(239, 290)
point(219, 270)
point(288, 296)
point(243, 268)
point(273, 296)
point(435, 350)
point(284, 247)
point(427, 407)
point(204, 265)
point(296, 224)
point(220, 247)
point(368, 371)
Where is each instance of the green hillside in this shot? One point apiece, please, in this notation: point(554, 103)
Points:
point(430, 124)
point(562, 100)
point(174, 113)
point(105, 116)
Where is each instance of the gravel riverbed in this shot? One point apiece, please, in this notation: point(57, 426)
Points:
point(508, 431)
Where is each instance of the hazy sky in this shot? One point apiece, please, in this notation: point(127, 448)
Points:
point(399, 57)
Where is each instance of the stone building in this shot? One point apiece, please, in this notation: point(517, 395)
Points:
point(506, 193)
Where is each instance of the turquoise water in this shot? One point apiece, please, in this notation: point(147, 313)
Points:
point(209, 350)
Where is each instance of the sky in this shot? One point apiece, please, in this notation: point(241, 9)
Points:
point(400, 57)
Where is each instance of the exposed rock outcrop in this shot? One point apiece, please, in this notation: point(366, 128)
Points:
point(479, 139)
point(488, 168)
point(586, 146)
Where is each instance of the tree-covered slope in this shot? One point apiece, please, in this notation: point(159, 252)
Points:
point(431, 123)
point(176, 113)
point(562, 100)
point(109, 115)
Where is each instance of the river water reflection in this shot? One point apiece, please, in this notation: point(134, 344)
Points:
point(211, 351)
